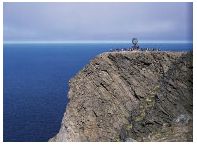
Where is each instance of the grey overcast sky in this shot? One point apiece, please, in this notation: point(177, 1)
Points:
point(97, 21)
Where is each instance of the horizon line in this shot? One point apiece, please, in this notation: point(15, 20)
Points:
point(95, 41)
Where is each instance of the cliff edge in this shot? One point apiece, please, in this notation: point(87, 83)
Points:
point(131, 96)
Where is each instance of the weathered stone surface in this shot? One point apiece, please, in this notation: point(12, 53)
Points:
point(131, 96)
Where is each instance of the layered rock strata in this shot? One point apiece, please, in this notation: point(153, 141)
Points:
point(131, 96)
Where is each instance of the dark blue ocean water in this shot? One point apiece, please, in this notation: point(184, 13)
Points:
point(36, 83)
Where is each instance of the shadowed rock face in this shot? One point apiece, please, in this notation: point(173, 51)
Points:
point(131, 96)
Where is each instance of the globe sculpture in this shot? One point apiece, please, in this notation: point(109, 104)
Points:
point(135, 43)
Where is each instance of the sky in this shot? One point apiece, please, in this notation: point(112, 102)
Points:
point(97, 21)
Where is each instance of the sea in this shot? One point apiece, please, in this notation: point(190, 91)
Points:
point(35, 83)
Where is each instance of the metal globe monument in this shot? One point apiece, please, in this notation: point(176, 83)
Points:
point(135, 43)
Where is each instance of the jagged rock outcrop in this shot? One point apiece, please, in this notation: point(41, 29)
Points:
point(131, 96)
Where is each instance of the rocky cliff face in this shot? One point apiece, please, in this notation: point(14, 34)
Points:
point(131, 96)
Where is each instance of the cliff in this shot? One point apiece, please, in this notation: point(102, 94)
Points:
point(131, 96)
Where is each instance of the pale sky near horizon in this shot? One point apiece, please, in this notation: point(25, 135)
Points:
point(97, 21)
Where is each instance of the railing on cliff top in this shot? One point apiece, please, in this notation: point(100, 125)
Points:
point(134, 49)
